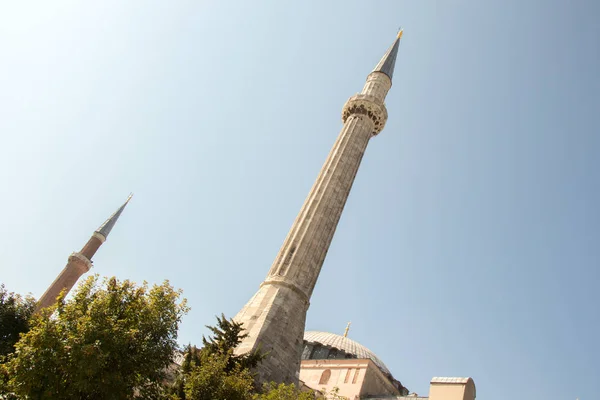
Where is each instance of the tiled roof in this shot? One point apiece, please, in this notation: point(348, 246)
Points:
point(346, 345)
point(439, 379)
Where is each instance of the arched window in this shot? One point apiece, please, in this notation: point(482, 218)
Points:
point(325, 377)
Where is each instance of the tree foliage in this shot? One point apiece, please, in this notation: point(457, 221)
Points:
point(226, 336)
point(190, 360)
point(15, 311)
point(215, 371)
point(110, 341)
point(334, 394)
point(116, 340)
point(212, 379)
point(282, 391)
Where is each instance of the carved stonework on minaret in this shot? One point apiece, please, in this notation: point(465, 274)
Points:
point(274, 317)
point(79, 262)
point(368, 106)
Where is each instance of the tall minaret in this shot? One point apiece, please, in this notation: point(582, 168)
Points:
point(274, 317)
point(81, 262)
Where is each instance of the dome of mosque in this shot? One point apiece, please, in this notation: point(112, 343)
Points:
point(334, 346)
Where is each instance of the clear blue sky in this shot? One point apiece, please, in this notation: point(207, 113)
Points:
point(470, 245)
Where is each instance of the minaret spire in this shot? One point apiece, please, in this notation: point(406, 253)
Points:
point(388, 62)
point(79, 262)
point(274, 317)
point(107, 226)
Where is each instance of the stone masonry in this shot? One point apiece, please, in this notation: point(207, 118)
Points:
point(274, 318)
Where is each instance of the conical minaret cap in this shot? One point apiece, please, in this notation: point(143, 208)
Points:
point(388, 62)
point(107, 226)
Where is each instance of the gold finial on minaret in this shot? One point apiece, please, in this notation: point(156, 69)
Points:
point(347, 329)
point(400, 32)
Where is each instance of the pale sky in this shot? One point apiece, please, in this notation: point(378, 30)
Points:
point(469, 245)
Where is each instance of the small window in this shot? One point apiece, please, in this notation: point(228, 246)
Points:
point(325, 377)
point(347, 375)
point(355, 376)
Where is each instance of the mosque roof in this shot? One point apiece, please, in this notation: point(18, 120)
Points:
point(347, 345)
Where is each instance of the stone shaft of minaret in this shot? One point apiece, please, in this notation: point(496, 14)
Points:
point(79, 262)
point(274, 318)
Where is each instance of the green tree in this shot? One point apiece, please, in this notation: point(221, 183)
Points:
point(282, 391)
point(190, 360)
point(211, 379)
point(334, 394)
point(215, 371)
point(110, 341)
point(226, 336)
point(15, 311)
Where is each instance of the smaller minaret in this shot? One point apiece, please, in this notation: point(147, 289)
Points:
point(79, 262)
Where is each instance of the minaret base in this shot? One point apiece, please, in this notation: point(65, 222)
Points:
point(274, 319)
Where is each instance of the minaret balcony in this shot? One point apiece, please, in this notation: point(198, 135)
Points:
point(366, 106)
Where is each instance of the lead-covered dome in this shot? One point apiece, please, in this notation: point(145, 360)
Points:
point(325, 345)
